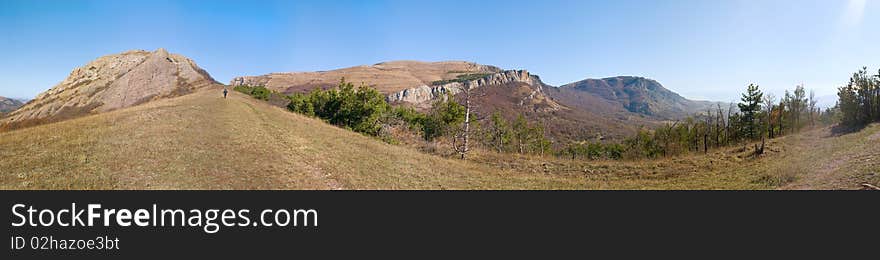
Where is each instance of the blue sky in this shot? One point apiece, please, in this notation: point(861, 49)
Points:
point(700, 49)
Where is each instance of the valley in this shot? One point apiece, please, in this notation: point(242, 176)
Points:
point(155, 120)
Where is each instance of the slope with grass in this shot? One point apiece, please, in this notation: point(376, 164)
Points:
point(202, 141)
point(815, 159)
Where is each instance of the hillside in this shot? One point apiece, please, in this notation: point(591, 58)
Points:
point(633, 94)
point(818, 159)
point(8, 105)
point(388, 77)
point(586, 110)
point(112, 82)
point(561, 123)
point(201, 141)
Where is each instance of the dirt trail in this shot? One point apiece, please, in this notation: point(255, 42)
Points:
point(831, 161)
point(290, 143)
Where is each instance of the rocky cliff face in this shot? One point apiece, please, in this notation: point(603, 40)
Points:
point(7, 105)
point(387, 77)
point(425, 94)
point(112, 82)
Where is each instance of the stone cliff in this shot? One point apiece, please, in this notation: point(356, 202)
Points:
point(113, 82)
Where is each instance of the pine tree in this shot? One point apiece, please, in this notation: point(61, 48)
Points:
point(750, 107)
point(499, 132)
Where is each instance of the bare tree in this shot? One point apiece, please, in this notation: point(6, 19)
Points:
point(769, 101)
point(466, 133)
point(727, 128)
point(812, 106)
point(719, 117)
point(707, 130)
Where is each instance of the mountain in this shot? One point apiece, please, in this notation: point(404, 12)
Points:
point(589, 109)
point(112, 82)
point(633, 94)
point(512, 93)
point(8, 105)
point(387, 77)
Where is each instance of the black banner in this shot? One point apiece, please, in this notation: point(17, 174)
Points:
point(417, 224)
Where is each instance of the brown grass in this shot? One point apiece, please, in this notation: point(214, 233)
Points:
point(202, 141)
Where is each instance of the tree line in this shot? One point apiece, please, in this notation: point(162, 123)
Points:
point(859, 101)
point(363, 109)
point(756, 117)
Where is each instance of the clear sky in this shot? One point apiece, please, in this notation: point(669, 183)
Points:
point(700, 49)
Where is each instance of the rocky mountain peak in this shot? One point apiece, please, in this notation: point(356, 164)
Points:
point(424, 94)
point(113, 82)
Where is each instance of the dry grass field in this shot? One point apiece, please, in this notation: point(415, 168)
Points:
point(815, 159)
point(202, 141)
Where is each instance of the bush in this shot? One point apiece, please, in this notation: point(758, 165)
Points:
point(445, 115)
point(593, 151)
point(302, 104)
point(411, 117)
point(258, 92)
point(261, 93)
point(244, 89)
point(461, 78)
point(356, 109)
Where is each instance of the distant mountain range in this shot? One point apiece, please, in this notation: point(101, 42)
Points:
point(635, 94)
point(587, 109)
point(8, 104)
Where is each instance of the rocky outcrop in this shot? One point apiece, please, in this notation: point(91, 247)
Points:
point(425, 94)
point(113, 82)
point(7, 105)
point(387, 77)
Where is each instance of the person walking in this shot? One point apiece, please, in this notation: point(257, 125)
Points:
point(225, 91)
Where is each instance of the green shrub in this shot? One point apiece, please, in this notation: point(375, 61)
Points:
point(258, 92)
point(244, 89)
point(261, 93)
point(302, 104)
point(461, 78)
point(411, 117)
point(358, 109)
point(445, 115)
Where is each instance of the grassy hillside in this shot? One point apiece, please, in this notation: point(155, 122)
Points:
point(816, 159)
point(201, 141)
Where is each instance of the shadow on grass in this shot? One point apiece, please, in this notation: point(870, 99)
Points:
point(841, 130)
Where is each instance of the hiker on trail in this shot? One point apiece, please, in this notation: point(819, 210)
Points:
point(225, 91)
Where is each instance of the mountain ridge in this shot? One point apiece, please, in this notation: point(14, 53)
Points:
point(635, 94)
point(654, 100)
point(9, 104)
point(112, 82)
